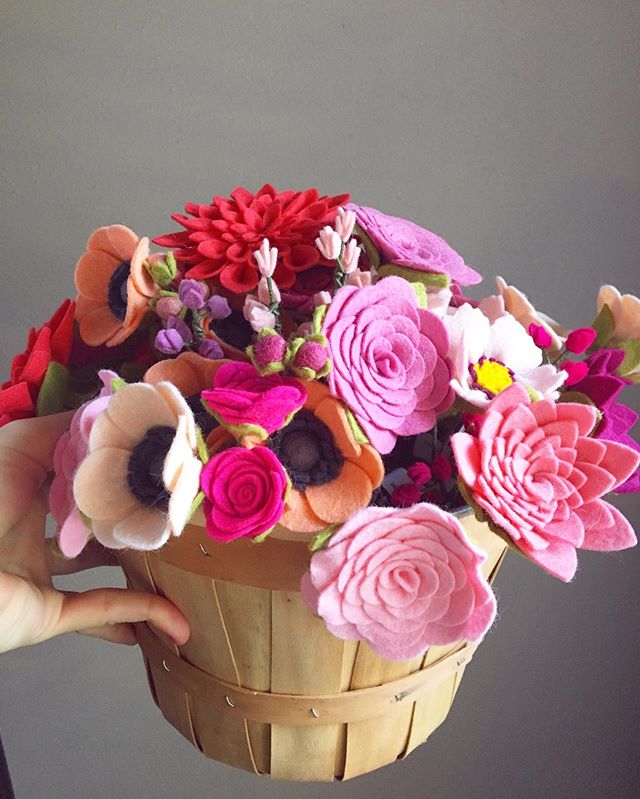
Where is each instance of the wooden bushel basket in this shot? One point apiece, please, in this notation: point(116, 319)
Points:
point(262, 685)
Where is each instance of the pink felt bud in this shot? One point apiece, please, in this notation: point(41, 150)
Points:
point(441, 468)
point(311, 355)
point(322, 298)
point(579, 340)
point(576, 371)
point(268, 350)
point(257, 314)
point(405, 495)
point(359, 279)
point(345, 222)
point(168, 306)
point(540, 335)
point(329, 243)
point(264, 295)
point(266, 258)
point(350, 257)
point(419, 472)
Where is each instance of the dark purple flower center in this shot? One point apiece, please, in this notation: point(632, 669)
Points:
point(144, 475)
point(234, 330)
point(307, 450)
point(117, 296)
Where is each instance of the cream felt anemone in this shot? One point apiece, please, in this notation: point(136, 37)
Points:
point(138, 483)
point(489, 357)
point(625, 309)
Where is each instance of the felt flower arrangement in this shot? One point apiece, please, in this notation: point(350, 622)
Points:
point(298, 367)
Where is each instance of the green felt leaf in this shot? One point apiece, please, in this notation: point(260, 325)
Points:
point(163, 272)
point(51, 398)
point(318, 317)
point(415, 276)
point(420, 291)
point(258, 539)
point(373, 256)
point(198, 500)
point(358, 432)
point(117, 383)
point(604, 327)
point(322, 538)
point(575, 396)
point(203, 452)
point(631, 358)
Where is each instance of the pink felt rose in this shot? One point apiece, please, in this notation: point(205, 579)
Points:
point(244, 492)
point(535, 472)
point(401, 580)
point(404, 243)
point(389, 356)
point(72, 448)
point(241, 397)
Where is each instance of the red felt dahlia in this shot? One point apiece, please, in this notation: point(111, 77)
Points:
point(219, 239)
point(52, 342)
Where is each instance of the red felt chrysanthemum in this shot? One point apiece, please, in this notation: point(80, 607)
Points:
point(219, 239)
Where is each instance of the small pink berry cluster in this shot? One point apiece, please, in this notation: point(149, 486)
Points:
point(577, 343)
point(429, 482)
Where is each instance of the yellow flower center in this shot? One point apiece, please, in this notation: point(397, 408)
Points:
point(491, 376)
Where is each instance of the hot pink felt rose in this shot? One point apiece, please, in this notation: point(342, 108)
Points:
point(538, 476)
point(401, 579)
point(244, 492)
point(404, 243)
point(389, 356)
point(241, 397)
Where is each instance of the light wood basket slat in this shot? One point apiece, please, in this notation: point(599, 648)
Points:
point(263, 686)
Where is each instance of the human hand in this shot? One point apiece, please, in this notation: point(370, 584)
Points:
point(31, 609)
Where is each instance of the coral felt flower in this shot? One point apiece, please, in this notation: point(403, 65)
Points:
point(489, 357)
point(603, 387)
point(72, 448)
point(220, 239)
point(404, 243)
point(625, 309)
point(389, 356)
point(244, 492)
point(401, 580)
point(241, 398)
point(50, 343)
point(332, 473)
point(141, 476)
point(538, 476)
point(114, 287)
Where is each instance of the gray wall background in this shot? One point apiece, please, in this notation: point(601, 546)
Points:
point(508, 126)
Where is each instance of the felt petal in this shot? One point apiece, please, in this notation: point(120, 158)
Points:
point(139, 274)
point(93, 273)
point(180, 452)
point(559, 559)
point(100, 486)
point(190, 373)
point(73, 535)
point(371, 463)
point(298, 515)
point(105, 433)
point(143, 529)
point(117, 240)
point(333, 414)
point(137, 407)
point(335, 502)
point(183, 495)
point(606, 529)
point(97, 324)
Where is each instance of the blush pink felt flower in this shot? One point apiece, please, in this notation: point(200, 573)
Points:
point(389, 356)
point(539, 477)
point(244, 492)
point(625, 309)
point(404, 243)
point(71, 450)
point(401, 579)
point(241, 397)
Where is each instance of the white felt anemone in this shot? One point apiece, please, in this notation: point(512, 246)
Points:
point(141, 476)
point(490, 356)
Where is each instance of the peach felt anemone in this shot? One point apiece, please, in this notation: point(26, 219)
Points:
point(114, 287)
point(332, 474)
point(138, 483)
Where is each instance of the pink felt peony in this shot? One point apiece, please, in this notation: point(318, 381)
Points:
point(244, 490)
point(401, 580)
point(404, 243)
point(241, 397)
point(72, 448)
point(389, 358)
point(537, 475)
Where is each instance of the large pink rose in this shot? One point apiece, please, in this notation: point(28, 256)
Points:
point(404, 243)
point(401, 580)
point(389, 356)
point(240, 396)
point(538, 476)
point(244, 492)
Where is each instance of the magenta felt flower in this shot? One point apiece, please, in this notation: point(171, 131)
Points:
point(538, 476)
point(241, 397)
point(401, 579)
point(389, 356)
point(603, 386)
point(404, 243)
point(244, 493)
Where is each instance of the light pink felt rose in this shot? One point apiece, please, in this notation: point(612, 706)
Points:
point(536, 473)
point(401, 579)
point(404, 243)
point(389, 356)
point(240, 397)
point(244, 492)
